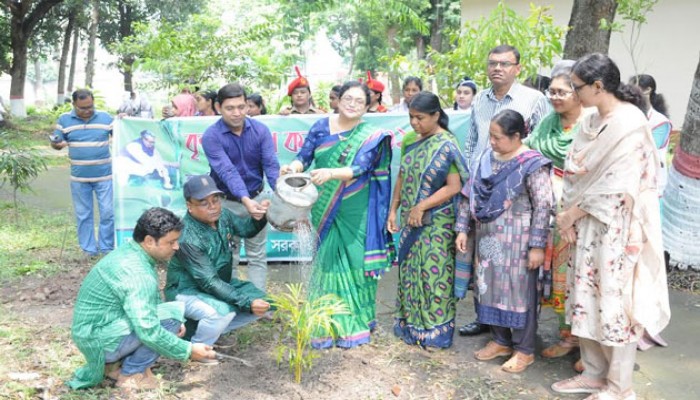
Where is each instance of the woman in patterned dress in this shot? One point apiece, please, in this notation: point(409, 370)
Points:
point(432, 171)
point(510, 198)
point(616, 286)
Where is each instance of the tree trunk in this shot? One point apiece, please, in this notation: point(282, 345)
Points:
point(128, 65)
point(690, 134)
point(420, 47)
point(438, 7)
point(22, 23)
point(61, 92)
point(584, 35)
point(38, 84)
point(680, 221)
point(92, 43)
point(73, 60)
point(394, 81)
point(18, 70)
point(125, 30)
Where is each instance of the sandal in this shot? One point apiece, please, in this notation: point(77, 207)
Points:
point(579, 384)
point(491, 351)
point(558, 350)
point(518, 363)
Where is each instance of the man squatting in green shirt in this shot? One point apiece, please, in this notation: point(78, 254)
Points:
point(119, 314)
point(200, 273)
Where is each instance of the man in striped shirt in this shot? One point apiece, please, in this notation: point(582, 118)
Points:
point(86, 133)
point(502, 68)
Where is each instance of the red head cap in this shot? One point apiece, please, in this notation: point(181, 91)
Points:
point(374, 84)
point(299, 81)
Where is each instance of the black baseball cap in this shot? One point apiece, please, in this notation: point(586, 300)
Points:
point(199, 187)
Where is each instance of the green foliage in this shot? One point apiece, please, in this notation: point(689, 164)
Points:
point(205, 50)
point(536, 36)
point(300, 319)
point(19, 167)
point(634, 13)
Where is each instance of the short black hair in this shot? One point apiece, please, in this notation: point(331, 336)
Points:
point(506, 48)
point(231, 91)
point(82, 94)
point(156, 222)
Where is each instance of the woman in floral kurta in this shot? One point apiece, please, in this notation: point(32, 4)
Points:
point(511, 199)
point(617, 283)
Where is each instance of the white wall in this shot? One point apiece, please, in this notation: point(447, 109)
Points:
point(669, 46)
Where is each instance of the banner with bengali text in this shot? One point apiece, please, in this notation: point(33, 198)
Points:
point(178, 143)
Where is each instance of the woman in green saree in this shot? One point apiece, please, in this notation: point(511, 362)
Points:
point(352, 161)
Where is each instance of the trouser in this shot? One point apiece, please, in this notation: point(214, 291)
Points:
point(255, 248)
point(82, 194)
point(137, 356)
point(212, 324)
point(614, 363)
point(522, 340)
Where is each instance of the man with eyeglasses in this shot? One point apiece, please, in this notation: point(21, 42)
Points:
point(200, 273)
point(502, 67)
point(86, 133)
point(242, 155)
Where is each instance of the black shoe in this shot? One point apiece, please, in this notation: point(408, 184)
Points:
point(473, 329)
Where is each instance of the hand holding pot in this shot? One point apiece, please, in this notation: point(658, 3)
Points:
point(321, 176)
point(256, 210)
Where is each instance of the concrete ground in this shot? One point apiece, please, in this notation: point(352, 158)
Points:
point(663, 373)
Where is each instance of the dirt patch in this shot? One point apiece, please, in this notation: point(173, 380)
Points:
point(684, 280)
point(39, 310)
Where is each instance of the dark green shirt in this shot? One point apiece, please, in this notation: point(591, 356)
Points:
point(118, 296)
point(202, 266)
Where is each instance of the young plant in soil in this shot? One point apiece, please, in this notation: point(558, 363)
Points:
point(300, 319)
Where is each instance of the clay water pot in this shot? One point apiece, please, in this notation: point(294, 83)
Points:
point(291, 203)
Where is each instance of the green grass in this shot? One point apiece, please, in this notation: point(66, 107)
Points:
point(29, 132)
point(40, 242)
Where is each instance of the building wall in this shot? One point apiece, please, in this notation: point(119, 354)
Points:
point(669, 46)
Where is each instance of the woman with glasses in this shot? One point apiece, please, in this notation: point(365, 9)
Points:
point(552, 137)
point(510, 199)
point(432, 172)
point(616, 284)
point(351, 161)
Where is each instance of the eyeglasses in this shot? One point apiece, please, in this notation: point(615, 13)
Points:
point(503, 64)
point(558, 94)
point(215, 201)
point(579, 87)
point(358, 101)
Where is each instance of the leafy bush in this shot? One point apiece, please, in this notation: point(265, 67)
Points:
point(19, 167)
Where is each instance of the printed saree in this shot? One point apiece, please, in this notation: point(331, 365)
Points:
point(426, 303)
